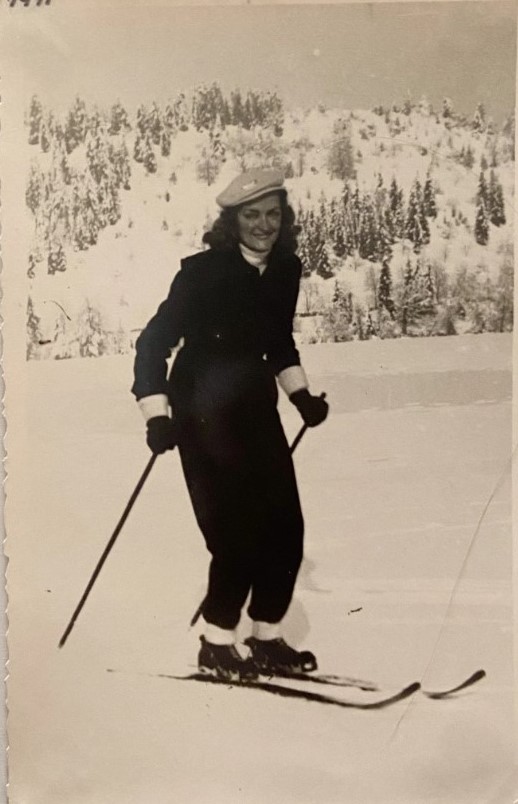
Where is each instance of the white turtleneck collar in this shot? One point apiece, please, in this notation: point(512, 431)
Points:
point(255, 258)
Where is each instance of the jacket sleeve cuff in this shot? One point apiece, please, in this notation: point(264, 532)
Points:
point(292, 379)
point(154, 405)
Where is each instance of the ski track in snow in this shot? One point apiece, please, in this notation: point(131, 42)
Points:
point(392, 491)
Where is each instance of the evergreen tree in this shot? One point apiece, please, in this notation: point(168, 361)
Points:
point(236, 108)
point(34, 190)
point(225, 114)
point(217, 146)
point(56, 260)
point(165, 144)
point(430, 207)
point(62, 348)
point(495, 201)
point(508, 130)
point(91, 336)
point(35, 119)
point(65, 169)
point(370, 329)
point(447, 108)
point(360, 323)
point(383, 237)
point(120, 162)
point(247, 117)
point(430, 290)
point(353, 218)
point(149, 158)
point(339, 239)
point(504, 296)
point(76, 125)
point(181, 113)
point(322, 223)
point(32, 265)
point(98, 160)
point(413, 298)
point(499, 208)
point(343, 301)
point(304, 254)
point(397, 210)
point(482, 191)
point(45, 136)
point(155, 125)
point(121, 341)
point(417, 229)
point(479, 118)
point(380, 195)
point(142, 120)
point(207, 167)
point(169, 120)
point(338, 318)
point(276, 115)
point(113, 212)
point(34, 335)
point(494, 154)
point(139, 148)
point(118, 119)
point(322, 262)
point(385, 289)
point(346, 196)
point(408, 105)
point(340, 161)
point(59, 134)
point(310, 246)
point(96, 124)
point(468, 157)
point(481, 223)
point(86, 213)
point(211, 158)
point(389, 225)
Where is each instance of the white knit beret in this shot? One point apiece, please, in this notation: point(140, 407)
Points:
point(250, 186)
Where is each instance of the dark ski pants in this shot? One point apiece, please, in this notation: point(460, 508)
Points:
point(242, 484)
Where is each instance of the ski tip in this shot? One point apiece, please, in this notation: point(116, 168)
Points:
point(415, 687)
point(476, 676)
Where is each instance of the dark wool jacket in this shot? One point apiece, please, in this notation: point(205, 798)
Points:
point(219, 303)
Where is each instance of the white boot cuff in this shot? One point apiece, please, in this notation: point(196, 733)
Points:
point(262, 630)
point(218, 636)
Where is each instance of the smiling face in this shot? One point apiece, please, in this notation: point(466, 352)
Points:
point(259, 223)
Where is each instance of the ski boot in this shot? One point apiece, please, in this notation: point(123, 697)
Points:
point(274, 657)
point(224, 662)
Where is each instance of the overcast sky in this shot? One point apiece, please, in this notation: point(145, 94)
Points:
point(353, 55)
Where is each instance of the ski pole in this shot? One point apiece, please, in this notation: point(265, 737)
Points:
point(296, 441)
point(107, 549)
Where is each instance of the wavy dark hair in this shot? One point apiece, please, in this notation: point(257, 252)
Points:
point(224, 235)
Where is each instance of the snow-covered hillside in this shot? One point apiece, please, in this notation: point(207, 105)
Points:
point(407, 576)
point(116, 202)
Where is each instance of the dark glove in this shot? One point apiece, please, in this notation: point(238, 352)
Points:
point(313, 409)
point(161, 434)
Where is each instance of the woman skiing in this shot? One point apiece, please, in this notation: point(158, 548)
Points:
point(233, 306)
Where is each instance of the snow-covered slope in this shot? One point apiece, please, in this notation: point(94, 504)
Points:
point(407, 576)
